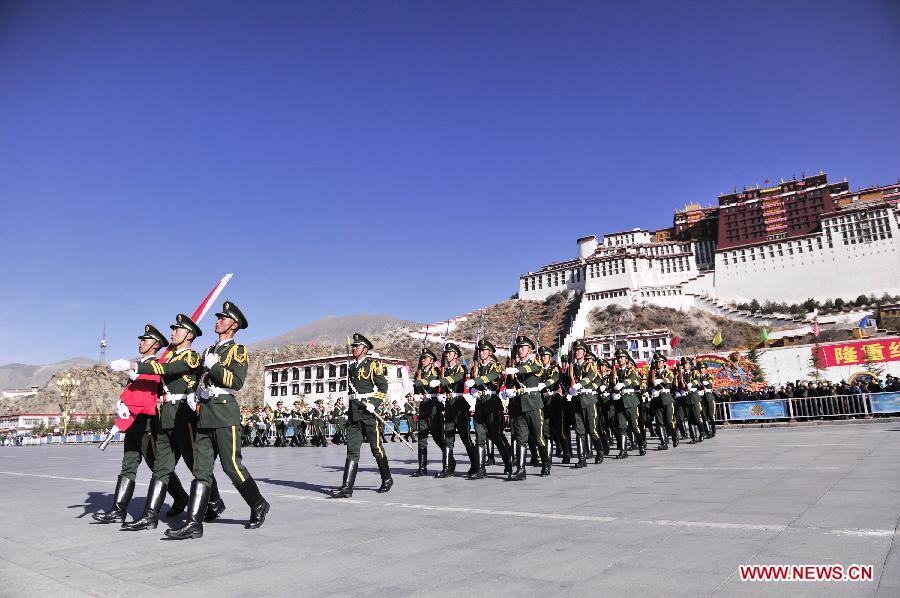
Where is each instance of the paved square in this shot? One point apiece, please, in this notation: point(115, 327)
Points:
point(676, 523)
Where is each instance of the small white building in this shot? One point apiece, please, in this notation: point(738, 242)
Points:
point(325, 378)
point(642, 344)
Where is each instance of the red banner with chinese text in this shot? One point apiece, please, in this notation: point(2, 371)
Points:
point(872, 351)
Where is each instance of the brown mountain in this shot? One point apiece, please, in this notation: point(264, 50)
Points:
point(334, 330)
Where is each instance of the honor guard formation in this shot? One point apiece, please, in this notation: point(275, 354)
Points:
point(182, 406)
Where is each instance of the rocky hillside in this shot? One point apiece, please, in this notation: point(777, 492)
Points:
point(98, 393)
point(334, 330)
point(500, 320)
point(22, 376)
point(694, 328)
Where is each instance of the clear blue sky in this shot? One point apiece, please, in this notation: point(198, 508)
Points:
point(403, 158)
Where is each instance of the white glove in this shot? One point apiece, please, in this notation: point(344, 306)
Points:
point(191, 402)
point(620, 386)
point(511, 371)
point(132, 374)
point(541, 386)
point(572, 392)
point(369, 407)
point(470, 400)
point(706, 383)
point(511, 392)
point(470, 383)
point(119, 365)
point(603, 388)
point(434, 383)
point(616, 396)
point(474, 393)
point(417, 397)
point(577, 386)
point(654, 394)
point(210, 360)
point(569, 396)
point(122, 410)
point(691, 387)
point(442, 399)
point(645, 399)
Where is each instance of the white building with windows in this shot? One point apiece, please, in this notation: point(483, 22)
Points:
point(641, 344)
point(325, 378)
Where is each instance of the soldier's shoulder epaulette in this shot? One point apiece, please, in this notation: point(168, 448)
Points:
point(236, 353)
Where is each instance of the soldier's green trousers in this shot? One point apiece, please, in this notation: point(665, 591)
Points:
point(695, 414)
point(489, 422)
point(627, 418)
point(431, 426)
point(530, 424)
point(664, 414)
point(366, 429)
point(709, 407)
point(139, 445)
point(224, 443)
point(586, 421)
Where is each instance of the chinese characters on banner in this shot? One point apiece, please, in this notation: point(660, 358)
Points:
point(871, 351)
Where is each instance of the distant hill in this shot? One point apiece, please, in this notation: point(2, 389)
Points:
point(334, 330)
point(20, 376)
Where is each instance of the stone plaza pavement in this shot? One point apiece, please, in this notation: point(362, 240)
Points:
point(675, 523)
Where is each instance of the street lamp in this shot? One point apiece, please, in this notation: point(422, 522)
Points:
point(67, 385)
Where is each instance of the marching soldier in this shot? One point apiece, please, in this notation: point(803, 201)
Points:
point(431, 411)
point(549, 388)
point(560, 421)
point(525, 403)
point(410, 409)
point(661, 380)
point(709, 401)
point(178, 421)
point(368, 382)
point(452, 380)
point(299, 438)
point(692, 385)
point(483, 385)
point(339, 419)
point(581, 376)
point(626, 393)
point(140, 437)
point(225, 365)
point(395, 420)
point(606, 406)
point(317, 414)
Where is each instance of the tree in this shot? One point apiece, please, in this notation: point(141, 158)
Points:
point(839, 303)
point(815, 361)
point(754, 306)
point(862, 300)
point(810, 305)
point(758, 374)
point(873, 368)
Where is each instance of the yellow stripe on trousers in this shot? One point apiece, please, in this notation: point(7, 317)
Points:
point(234, 454)
point(378, 438)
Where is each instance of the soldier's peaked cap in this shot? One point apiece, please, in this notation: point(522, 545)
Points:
point(486, 344)
point(658, 356)
point(452, 347)
point(429, 353)
point(359, 339)
point(230, 310)
point(579, 344)
point(183, 321)
point(544, 350)
point(150, 331)
point(524, 341)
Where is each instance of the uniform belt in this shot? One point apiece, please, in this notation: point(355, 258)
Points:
point(487, 393)
point(457, 395)
point(217, 391)
point(365, 396)
point(530, 389)
point(172, 398)
point(585, 391)
point(627, 391)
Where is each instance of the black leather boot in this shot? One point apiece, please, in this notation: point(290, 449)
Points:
point(179, 496)
point(598, 450)
point(579, 446)
point(533, 453)
point(346, 488)
point(620, 444)
point(423, 461)
point(662, 432)
point(249, 491)
point(701, 431)
point(150, 519)
point(642, 444)
point(193, 528)
point(520, 472)
point(452, 461)
point(386, 480)
point(712, 428)
point(491, 453)
point(691, 432)
point(674, 433)
point(124, 490)
point(506, 456)
point(446, 457)
point(545, 460)
point(481, 455)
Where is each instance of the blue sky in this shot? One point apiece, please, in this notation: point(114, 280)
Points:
point(389, 157)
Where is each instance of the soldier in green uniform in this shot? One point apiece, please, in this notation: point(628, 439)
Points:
point(368, 383)
point(451, 381)
point(550, 384)
point(431, 411)
point(483, 385)
point(281, 416)
point(660, 381)
point(580, 378)
point(626, 393)
point(339, 419)
point(177, 421)
point(693, 387)
point(525, 403)
point(410, 409)
point(396, 416)
point(225, 365)
point(606, 406)
point(140, 440)
point(561, 415)
point(709, 401)
point(317, 415)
